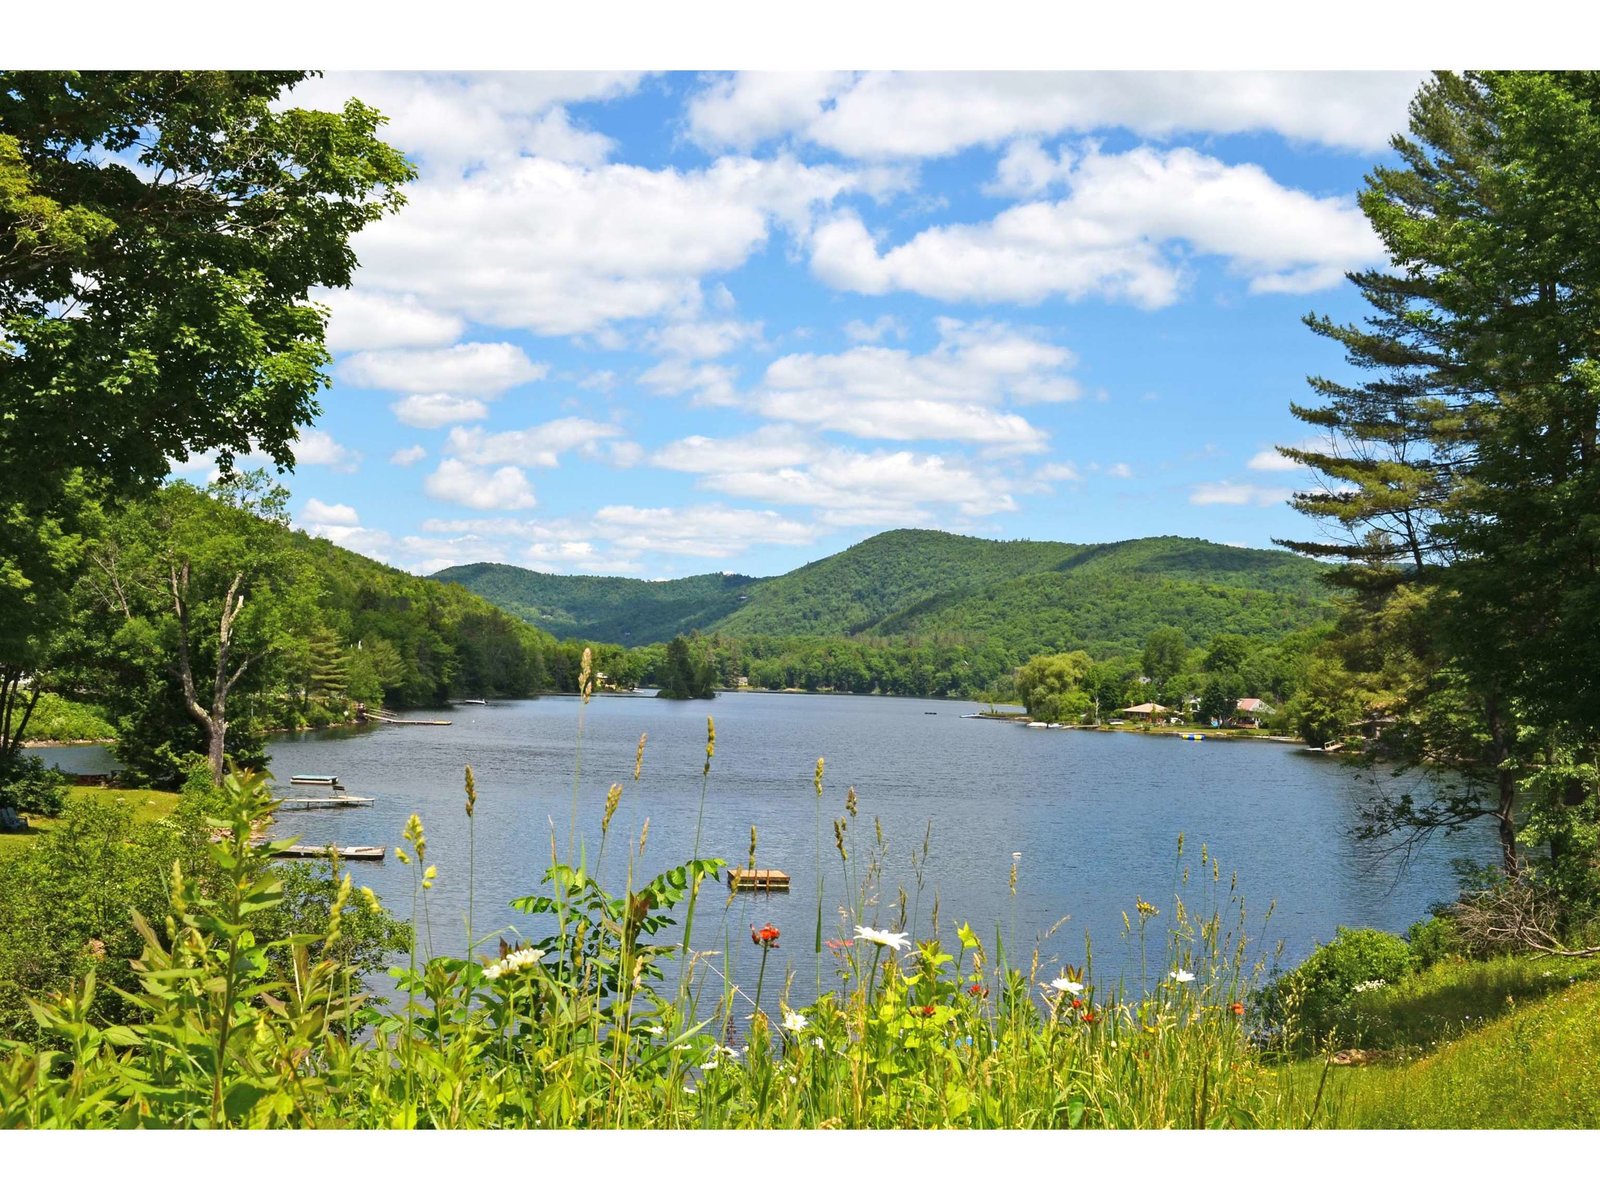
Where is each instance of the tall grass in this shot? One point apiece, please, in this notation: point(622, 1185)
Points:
point(580, 1029)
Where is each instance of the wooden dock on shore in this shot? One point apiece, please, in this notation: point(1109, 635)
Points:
point(762, 879)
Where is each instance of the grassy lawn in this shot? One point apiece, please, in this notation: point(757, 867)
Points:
point(1537, 1067)
point(147, 804)
point(1451, 999)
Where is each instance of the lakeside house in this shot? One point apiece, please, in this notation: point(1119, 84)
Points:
point(1148, 711)
point(1250, 711)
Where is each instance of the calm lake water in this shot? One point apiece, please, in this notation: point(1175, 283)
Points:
point(1095, 816)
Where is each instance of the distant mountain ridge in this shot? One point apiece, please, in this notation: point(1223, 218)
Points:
point(1031, 596)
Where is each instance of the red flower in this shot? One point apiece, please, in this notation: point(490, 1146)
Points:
point(839, 943)
point(765, 937)
point(978, 990)
point(927, 1010)
point(1088, 1017)
point(1076, 1003)
point(1236, 1009)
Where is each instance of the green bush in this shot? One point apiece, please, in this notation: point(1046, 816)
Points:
point(29, 786)
point(1433, 941)
point(1316, 997)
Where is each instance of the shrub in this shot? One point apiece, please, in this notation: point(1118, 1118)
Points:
point(1316, 996)
point(29, 786)
point(1433, 941)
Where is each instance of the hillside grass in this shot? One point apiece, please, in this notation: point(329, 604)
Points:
point(147, 804)
point(1535, 1065)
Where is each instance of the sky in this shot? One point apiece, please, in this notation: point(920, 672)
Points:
point(660, 324)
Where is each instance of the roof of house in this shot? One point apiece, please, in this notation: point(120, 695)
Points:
point(1252, 704)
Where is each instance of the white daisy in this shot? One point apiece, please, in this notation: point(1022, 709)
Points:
point(882, 937)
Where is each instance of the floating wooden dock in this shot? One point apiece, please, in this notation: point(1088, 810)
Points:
point(761, 879)
point(326, 781)
point(360, 853)
point(298, 803)
point(389, 719)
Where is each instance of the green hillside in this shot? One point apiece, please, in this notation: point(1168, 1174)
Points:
point(852, 591)
point(630, 612)
point(1026, 596)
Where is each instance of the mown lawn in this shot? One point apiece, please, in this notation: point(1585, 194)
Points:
point(147, 804)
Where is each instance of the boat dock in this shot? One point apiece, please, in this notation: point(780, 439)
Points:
point(305, 803)
point(388, 718)
point(761, 879)
point(359, 853)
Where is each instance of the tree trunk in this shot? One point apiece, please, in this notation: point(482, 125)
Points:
point(1506, 783)
point(214, 722)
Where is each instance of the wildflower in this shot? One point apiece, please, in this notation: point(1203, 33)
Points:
point(766, 937)
point(1076, 1002)
point(517, 960)
point(1370, 985)
point(715, 1061)
point(927, 1010)
point(1088, 1016)
point(839, 943)
point(882, 937)
point(1236, 1008)
point(794, 1022)
point(978, 990)
point(1065, 984)
point(1182, 976)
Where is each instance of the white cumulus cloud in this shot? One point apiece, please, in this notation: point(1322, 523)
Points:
point(1108, 237)
point(462, 483)
point(473, 368)
point(362, 320)
point(927, 114)
point(433, 409)
point(539, 446)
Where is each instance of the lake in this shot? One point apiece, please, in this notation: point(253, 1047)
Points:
point(1095, 817)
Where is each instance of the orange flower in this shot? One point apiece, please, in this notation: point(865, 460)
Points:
point(1236, 1008)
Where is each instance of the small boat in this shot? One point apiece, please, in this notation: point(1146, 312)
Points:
point(1037, 725)
point(472, 702)
point(929, 713)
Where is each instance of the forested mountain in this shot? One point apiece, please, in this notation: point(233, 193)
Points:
point(631, 612)
point(1027, 596)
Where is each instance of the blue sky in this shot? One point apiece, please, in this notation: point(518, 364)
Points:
point(662, 324)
